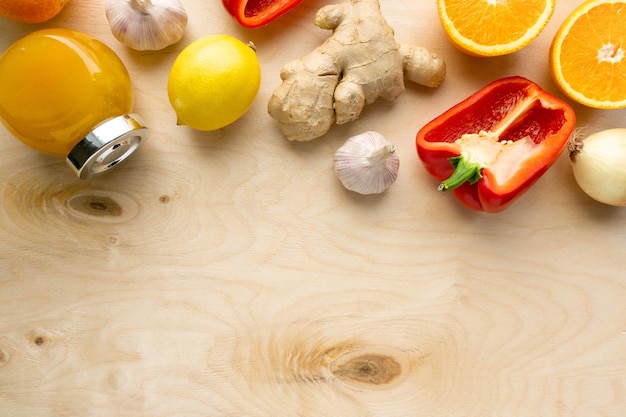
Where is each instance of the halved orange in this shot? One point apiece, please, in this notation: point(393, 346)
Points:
point(493, 27)
point(31, 11)
point(587, 55)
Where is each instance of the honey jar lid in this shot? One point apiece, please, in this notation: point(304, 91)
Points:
point(108, 144)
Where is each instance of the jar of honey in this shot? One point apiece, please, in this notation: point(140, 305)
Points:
point(67, 94)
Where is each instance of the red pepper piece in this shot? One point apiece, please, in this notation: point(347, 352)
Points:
point(512, 131)
point(257, 13)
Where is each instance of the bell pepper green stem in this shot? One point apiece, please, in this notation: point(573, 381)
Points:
point(464, 171)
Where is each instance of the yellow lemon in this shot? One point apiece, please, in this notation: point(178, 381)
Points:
point(213, 82)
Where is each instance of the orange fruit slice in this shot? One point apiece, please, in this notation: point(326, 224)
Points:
point(587, 55)
point(493, 27)
point(31, 11)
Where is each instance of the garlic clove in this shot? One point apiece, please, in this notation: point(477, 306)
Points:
point(146, 25)
point(367, 163)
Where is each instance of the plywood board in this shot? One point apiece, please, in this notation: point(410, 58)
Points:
point(229, 273)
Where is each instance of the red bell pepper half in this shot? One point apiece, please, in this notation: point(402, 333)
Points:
point(491, 147)
point(257, 13)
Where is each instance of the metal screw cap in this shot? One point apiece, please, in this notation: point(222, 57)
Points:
point(108, 144)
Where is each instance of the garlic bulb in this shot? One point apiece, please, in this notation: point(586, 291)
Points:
point(367, 163)
point(599, 165)
point(146, 25)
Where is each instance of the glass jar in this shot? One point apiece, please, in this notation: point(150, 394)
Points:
point(66, 94)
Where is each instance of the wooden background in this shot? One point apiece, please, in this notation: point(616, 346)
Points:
point(230, 274)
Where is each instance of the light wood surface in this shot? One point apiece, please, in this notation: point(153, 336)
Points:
point(230, 274)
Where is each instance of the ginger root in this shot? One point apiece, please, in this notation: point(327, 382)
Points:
point(360, 63)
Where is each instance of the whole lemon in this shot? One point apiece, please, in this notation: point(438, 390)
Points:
point(213, 82)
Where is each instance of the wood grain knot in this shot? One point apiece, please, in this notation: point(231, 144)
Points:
point(96, 205)
point(164, 199)
point(38, 340)
point(368, 369)
point(4, 357)
point(103, 206)
point(117, 380)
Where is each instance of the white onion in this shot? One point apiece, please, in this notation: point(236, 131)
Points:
point(599, 165)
